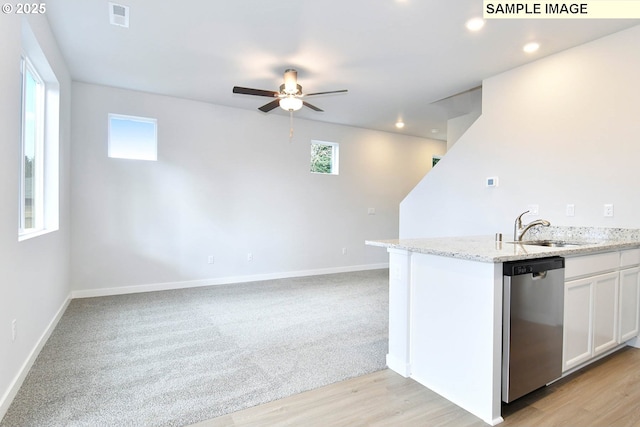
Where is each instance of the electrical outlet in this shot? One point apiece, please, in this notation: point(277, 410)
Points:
point(249, 256)
point(571, 209)
point(533, 209)
point(608, 210)
point(371, 211)
point(13, 329)
point(210, 259)
point(344, 251)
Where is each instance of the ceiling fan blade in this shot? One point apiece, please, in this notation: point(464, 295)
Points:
point(270, 106)
point(325, 93)
point(313, 107)
point(257, 92)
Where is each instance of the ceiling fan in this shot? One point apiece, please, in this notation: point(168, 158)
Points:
point(289, 97)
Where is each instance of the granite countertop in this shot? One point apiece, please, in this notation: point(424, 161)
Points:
point(487, 249)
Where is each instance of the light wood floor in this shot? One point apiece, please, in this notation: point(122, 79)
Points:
point(604, 394)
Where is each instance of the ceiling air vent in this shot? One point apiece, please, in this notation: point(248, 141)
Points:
point(119, 15)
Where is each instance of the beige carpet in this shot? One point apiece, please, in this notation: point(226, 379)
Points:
point(174, 358)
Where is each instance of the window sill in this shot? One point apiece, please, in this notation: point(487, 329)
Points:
point(325, 173)
point(32, 234)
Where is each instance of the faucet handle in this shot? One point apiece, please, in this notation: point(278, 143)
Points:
point(519, 218)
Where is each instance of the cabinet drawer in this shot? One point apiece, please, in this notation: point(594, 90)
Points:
point(591, 264)
point(629, 257)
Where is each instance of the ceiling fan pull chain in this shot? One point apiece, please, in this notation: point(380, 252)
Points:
point(290, 126)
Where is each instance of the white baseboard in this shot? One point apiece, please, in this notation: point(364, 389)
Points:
point(10, 394)
point(398, 366)
point(122, 290)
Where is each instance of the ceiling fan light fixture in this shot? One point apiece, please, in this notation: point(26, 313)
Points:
point(290, 103)
point(290, 81)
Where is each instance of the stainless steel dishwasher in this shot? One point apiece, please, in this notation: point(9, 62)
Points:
point(533, 310)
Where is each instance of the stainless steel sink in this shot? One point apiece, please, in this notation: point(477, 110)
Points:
point(551, 243)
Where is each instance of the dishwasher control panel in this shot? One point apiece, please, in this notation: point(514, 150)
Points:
point(528, 266)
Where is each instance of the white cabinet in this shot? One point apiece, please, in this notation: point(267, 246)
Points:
point(601, 304)
point(629, 304)
point(590, 318)
point(590, 265)
point(578, 326)
point(605, 313)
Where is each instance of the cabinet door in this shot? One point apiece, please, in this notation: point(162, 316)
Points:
point(605, 316)
point(629, 303)
point(578, 331)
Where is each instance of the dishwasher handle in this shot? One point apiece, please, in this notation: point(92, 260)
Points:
point(539, 275)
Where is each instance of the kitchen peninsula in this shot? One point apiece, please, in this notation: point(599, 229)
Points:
point(445, 305)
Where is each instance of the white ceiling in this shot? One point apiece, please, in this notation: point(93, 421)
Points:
point(395, 57)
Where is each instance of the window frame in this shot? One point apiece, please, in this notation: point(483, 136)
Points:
point(38, 165)
point(335, 157)
point(49, 127)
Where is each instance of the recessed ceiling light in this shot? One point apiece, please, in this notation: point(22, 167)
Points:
point(475, 24)
point(531, 47)
point(399, 124)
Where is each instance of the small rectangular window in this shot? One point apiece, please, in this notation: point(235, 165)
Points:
point(131, 137)
point(324, 157)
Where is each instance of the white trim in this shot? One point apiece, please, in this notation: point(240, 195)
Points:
point(11, 392)
point(153, 287)
point(48, 214)
point(29, 235)
point(398, 366)
point(38, 165)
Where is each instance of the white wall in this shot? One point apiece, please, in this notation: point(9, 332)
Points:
point(458, 126)
point(227, 182)
point(35, 272)
point(564, 129)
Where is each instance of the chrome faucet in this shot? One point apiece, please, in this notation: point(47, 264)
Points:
point(519, 229)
